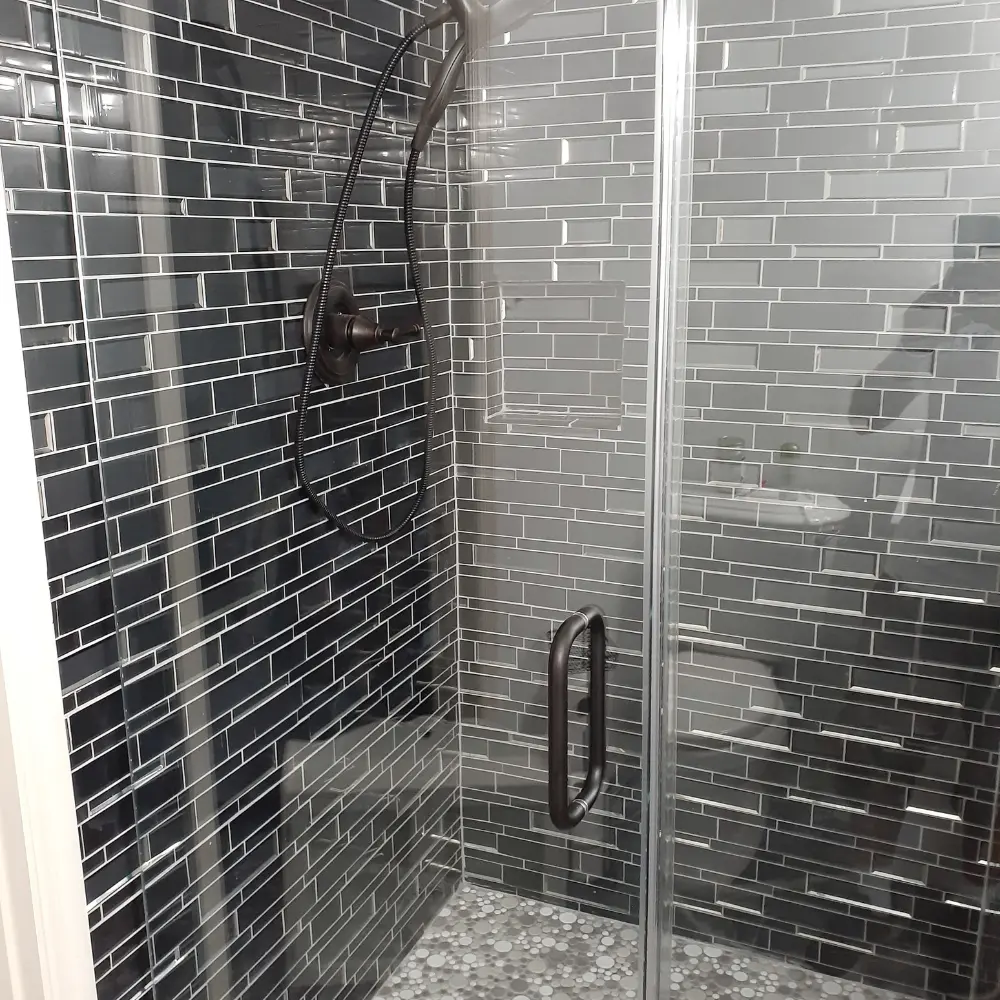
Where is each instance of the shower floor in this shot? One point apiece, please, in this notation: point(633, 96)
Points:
point(502, 947)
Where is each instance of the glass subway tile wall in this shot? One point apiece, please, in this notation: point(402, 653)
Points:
point(262, 718)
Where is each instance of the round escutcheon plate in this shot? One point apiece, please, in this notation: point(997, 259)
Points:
point(334, 366)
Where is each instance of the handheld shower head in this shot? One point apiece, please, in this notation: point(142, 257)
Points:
point(333, 323)
point(478, 24)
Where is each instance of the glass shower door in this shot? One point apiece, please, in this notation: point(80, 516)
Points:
point(263, 714)
point(552, 159)
point(836, 699)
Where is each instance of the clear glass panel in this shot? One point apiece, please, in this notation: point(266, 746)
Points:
point(554, 160)
point(837, 759)
point(265, 717)
point(287, 819)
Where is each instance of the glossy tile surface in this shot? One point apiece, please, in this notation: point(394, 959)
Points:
point(491, 944)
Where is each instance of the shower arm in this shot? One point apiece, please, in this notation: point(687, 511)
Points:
point(478, 24)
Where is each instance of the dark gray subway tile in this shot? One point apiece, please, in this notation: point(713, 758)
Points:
point(126, 296)
point(40, 235)
point(106, 234)
point(101, 41)
point(13, 100)
point(22, 166)
point(104, 171)
point(240, 73)
point(60, 302)
point(247, 182)
point(272, 25)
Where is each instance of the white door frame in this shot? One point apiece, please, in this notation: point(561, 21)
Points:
point(45, 951)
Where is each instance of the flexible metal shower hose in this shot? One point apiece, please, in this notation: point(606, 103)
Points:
point(330, 262)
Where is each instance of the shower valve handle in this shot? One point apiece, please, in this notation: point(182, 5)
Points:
point(357, 332)
point(346, 333)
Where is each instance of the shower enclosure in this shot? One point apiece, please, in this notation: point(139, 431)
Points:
point(711, 507)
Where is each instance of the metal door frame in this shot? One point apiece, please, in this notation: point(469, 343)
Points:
point(675, 47)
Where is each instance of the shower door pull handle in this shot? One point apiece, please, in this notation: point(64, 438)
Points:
point(565, 814)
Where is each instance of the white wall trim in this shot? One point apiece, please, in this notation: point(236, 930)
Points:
point(44, 933)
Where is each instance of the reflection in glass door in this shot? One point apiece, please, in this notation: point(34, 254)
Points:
point(836, 691)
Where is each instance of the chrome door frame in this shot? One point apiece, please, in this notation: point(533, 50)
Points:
point(675, 46)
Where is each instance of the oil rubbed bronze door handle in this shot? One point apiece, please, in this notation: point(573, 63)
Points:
point(565, 814)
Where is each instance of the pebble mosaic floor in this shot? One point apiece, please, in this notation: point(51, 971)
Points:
point(501, 947)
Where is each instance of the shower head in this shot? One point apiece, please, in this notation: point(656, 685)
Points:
point(332, 328)
point(478, 24)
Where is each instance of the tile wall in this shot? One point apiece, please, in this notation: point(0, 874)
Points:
point(551, 280)
point(262, 717)
point(838, 708)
